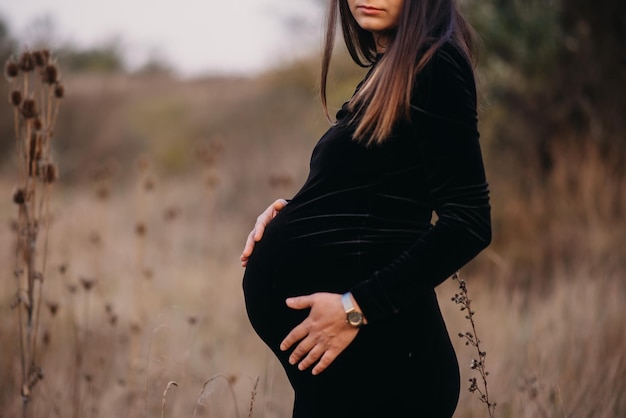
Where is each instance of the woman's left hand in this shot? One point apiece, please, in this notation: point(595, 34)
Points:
point(323, 335)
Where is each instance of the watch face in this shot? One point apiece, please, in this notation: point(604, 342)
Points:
point(355, 318)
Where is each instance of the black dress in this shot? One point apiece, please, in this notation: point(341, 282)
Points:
point(362, 222)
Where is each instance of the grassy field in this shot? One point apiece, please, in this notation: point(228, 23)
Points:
point(160, 183)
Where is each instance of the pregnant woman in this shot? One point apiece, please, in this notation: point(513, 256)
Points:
point(340, 281)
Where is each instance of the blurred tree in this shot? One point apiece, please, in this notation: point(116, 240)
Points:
point(155, 64)
point(593, 70)
point(555, 71)
point(553, 75)
point(106, 58)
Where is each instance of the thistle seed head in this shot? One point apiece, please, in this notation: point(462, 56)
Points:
point(40, 58)
point(29, 108)
point(149, 184)
point(50, 74)
point(59, 91)
point(280, 180)
point(95, 238)
point(19, 196)
point(140, 229)
point(171, 213)
point(38, 123)
point(102, 192)
point(135, 328)
point(15, 98)
point(148, 273)
point(27, 63)
point(12, 69)
point(87, 283)
point(50, 173)
point(53, 308)
point(45, 339)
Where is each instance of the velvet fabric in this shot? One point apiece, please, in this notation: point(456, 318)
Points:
point(389, 223)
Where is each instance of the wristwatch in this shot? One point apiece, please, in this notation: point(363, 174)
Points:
point(353, 317)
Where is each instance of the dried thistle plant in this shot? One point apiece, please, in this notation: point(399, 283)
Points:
point(281, 181)
point(471, 339)
point(35, 95)
point(207, 154)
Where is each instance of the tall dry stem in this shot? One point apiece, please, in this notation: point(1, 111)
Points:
point(207, 389)
point(471, 339)
point(253, 397)
point(167, 389)
point(35, 95)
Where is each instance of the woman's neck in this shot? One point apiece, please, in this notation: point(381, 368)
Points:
point(381, 40)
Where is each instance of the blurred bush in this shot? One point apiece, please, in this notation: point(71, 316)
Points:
point(106, 58)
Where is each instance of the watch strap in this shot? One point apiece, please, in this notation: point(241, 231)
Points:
point(346, 300)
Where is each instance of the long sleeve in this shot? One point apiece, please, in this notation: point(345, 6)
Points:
point(444, 121)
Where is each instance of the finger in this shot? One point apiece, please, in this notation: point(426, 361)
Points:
point(265, 218)
point(303, 350)
point(311, 358)
point(326, 360)
point(248, 247)
point(299, 302)
point(279, 204)
point(259, 230)
point(298, 333)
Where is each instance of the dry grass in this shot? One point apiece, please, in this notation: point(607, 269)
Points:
point(555, 354)
point(144, 283)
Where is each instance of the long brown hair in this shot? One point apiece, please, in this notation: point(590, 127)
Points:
point(384, 98)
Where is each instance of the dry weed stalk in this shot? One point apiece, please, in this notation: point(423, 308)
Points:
point(253, 397)
point(167, 389)
point(471, 339)
point(207, 154)
point(207, 389)
point(146, 187)
point(35, 94)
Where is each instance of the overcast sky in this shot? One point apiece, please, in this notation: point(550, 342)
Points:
point(197, 37)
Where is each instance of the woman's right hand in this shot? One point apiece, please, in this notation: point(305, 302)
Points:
point(259, 228)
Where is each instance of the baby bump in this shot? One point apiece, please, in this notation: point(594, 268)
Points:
point(278, 269)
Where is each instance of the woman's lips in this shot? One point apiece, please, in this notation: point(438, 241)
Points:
point(369, 10)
